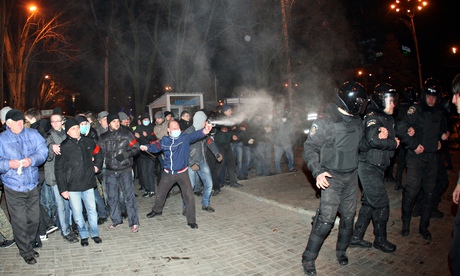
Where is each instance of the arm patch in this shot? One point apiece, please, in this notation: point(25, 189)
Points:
point(371, 122)
point(411, 110)
point(313, 129)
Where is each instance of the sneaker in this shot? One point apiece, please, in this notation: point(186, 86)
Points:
point(7, 243)
point(135, 228)
point(146, 194)
point(97, 240)
point(44, 237)
point(215, 192)
point(193, 225)
point(84, 242)
point(51, 229)
point(30, 260)
point(151, 194)
point(207, 209)
point(71, 238)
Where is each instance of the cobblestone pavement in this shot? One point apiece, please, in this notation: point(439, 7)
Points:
point(254, 231)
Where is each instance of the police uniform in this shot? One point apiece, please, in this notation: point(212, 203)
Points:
point(374, 158)
point(429, 124)
point(332, 147)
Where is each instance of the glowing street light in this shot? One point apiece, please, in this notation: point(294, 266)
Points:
point(409, 8)
point(454, 50)
point(32, 8)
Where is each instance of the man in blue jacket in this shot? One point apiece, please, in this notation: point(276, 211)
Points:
point(176, 148)
point(22, 150)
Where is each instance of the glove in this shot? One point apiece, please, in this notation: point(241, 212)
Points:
point(195, 167)
point(219, 157)
point(120, 157)
point(251, 141)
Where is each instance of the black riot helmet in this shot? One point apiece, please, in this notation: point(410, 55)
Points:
point(432, 87)
point(383, 92)
point(408, 96)
point(352, 97)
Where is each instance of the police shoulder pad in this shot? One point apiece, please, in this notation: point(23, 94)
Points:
point(411, 110)
point(313, 129)
point(371, 122)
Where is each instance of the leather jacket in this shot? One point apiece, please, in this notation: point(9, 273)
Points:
point(121, 143)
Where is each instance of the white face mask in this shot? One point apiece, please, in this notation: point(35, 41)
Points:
point(175, 133)
point(284, 120)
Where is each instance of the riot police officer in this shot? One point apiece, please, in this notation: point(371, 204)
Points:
point(377, 148)
point(427, 119)
point(408, 98)
point(335, 138)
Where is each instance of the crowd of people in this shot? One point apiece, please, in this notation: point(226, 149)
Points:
point(74, 173)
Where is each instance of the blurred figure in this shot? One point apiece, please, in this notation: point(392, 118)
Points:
point(454, 254)
point(282, 143)
point(430, 127)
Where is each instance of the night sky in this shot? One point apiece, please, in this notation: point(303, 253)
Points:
point(437, 28)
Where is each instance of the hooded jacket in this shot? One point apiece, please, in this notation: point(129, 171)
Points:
point(198, 148)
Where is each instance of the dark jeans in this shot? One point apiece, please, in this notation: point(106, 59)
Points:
point(24, 212)
point(183, 180)
point(123, 181)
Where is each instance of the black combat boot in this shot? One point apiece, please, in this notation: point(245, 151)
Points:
point(364, 218)
point(315, 241)
point(343, 241)
point(380, 230)
point(425, 218)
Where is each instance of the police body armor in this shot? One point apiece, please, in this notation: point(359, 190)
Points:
point(375, 156)
point(339, 153)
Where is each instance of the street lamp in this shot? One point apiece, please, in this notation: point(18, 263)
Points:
point(409, 8)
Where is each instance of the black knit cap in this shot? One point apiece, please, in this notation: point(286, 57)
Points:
point(111, 117)
point(70, 122)
point(81, 119)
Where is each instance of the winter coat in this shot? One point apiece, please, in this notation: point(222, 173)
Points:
point(28, 143)
point(52, 137)
point(114, 143)
point(74, 167)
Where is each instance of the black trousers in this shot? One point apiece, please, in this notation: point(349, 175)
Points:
point(372, 177)
point(146, 169)
point(421, 175)
point(24, 212)
point(339, 196)
point(183, 180)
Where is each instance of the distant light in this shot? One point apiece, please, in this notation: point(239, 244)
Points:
point(32, 8)
point(286, 85)
point(454, 50)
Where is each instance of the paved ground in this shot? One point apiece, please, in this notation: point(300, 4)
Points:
point(259, 229)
